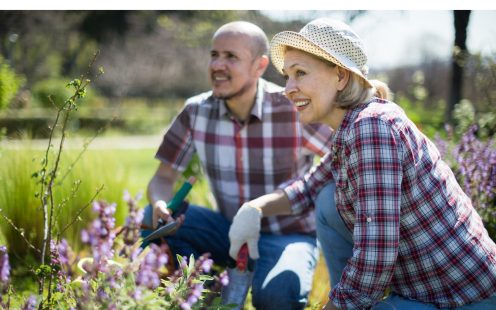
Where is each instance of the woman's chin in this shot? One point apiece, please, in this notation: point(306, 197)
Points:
point(306, 118)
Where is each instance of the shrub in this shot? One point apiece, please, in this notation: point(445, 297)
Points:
point(10, 83)
point(46, 88)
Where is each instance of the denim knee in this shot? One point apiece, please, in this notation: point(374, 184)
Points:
point(282, 295)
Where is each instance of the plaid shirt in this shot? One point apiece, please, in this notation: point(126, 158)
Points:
point(414, 230)
point(245, 161)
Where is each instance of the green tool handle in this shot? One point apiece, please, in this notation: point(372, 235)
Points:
point(178, 198)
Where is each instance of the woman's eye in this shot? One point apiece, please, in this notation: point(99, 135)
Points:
point(300, 73)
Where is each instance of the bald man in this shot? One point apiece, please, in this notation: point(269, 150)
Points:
point(249, 141)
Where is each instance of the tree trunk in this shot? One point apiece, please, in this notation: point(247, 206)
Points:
point(459, 57)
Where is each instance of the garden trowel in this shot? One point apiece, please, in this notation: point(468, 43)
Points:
point(240, 274)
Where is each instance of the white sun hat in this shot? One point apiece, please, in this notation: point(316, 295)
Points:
point(329, 39)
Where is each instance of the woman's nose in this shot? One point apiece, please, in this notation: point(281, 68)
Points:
point(290, 88)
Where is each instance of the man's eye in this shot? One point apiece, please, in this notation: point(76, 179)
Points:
point(300, 73)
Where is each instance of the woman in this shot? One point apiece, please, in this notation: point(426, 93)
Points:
point(410, 227)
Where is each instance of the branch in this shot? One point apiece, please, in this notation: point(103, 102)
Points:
point(79, 212)
point(20, 231)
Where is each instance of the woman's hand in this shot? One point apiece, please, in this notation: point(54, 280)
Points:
point(245, 228)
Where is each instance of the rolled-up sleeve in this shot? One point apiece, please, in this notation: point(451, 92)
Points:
point(374, 174)
point(303, 191)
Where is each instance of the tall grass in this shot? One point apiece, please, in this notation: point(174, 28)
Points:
point(19, 204)
point(116, 169)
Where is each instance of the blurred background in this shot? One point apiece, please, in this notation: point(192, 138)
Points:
point(156, 59)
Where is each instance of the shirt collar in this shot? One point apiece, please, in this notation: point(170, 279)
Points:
point(256, 110)
point(350, 116)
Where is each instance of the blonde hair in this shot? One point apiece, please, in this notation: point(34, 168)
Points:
point(357, 92)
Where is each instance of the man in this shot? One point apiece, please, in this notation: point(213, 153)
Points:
point(249, 141)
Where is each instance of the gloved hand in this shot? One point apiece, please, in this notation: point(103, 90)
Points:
point(245, 228)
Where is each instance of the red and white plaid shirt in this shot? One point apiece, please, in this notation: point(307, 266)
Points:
point(245, 161)
point(414, 230)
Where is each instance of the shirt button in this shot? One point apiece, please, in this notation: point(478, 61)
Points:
point(369, 219)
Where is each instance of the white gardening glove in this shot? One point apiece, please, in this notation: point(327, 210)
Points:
point(245, 228)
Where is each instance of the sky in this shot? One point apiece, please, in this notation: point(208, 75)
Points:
point(402, 37)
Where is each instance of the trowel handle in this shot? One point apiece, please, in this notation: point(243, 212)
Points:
point(242, 260)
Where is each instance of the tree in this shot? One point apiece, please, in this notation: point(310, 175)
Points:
point(459, 58)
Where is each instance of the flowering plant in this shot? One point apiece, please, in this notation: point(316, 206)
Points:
point(473, 162)
point(132, 279)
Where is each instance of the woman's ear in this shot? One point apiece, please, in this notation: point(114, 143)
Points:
point(343, 78)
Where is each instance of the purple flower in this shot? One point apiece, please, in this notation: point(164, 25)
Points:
point(4, 266)
point(30, 303)
point(60, 256)
point(149, 270)
point(137, 294)
point(224, 278)
point(131, 231)
point(100, 236)
point(4, 276)
point(185, 306)
point(206, 265)
point(473, 162)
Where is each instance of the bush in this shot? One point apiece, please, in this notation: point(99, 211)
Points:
point(10, 83)
point(51, 88)
point(54, 88)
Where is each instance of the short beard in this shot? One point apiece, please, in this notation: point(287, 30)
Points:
point(238, 93)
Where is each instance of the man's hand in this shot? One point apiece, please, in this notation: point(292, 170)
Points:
point(245, 228)
point(160, 211)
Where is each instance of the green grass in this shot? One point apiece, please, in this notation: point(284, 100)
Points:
point(138, 164)
point(19, 204)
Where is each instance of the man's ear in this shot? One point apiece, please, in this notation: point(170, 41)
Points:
point(263, 63)
point(343, 77)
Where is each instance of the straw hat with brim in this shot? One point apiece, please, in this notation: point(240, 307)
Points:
point(326, 38)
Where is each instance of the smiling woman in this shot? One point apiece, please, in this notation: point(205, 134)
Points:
point(395, 217)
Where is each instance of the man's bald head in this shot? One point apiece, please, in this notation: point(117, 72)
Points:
point(259, 44)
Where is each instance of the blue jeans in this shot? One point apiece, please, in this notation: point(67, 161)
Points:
point(283, 274)
point(336, 242)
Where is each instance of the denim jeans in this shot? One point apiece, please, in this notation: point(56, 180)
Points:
point(336, 242)
point(283, 274)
